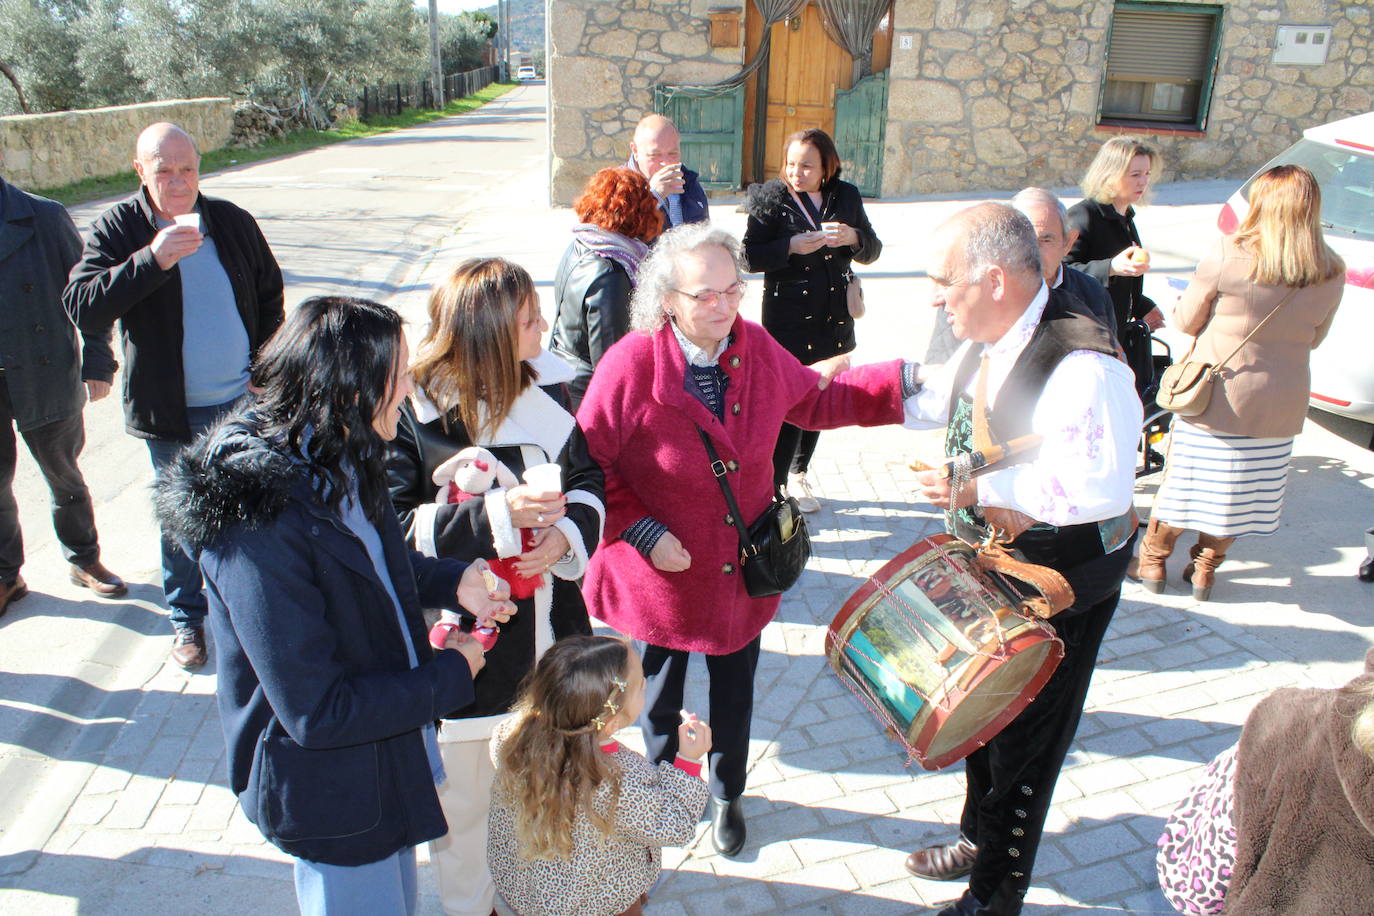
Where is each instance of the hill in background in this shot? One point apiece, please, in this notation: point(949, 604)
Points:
point(526, 24)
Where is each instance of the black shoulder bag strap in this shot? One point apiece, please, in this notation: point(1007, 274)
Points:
point(746, 545)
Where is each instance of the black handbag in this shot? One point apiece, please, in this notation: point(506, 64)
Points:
point(774, 548)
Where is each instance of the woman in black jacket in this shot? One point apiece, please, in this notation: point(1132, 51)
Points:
point(1108, 245)
point(805, 228)
point(620, 219)
point(482, 379)
point(328, 688)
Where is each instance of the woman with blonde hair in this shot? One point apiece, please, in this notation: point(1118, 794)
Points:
point(1108, 245)
point(578, 821)
point(1272, 289)
point(482, 379)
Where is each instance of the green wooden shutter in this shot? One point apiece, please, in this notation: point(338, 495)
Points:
point(711, 125)
point(860, 122)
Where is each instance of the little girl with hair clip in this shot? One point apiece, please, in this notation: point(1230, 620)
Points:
point(578, 821)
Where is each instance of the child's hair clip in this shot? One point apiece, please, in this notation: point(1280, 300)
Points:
point(618, 683)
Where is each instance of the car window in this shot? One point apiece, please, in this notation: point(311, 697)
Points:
point(1347, 182)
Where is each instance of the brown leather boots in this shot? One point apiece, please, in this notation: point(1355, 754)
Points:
point(1206, 554)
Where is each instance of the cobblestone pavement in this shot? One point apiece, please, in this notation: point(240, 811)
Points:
point(134, 816)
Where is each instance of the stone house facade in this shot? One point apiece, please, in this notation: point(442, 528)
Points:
point(997, 94)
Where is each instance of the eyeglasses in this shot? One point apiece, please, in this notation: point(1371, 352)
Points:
point(709, 297)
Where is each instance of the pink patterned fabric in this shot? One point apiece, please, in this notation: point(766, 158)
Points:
point(1198, 848)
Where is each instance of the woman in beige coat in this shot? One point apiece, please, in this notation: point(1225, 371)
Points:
point(1228, 466)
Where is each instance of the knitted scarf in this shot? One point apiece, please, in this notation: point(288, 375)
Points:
point(625, 251)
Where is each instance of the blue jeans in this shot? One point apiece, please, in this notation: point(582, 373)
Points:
point(181, 582)
point(385, 888)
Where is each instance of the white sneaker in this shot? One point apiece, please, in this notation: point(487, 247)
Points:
point(799, 488)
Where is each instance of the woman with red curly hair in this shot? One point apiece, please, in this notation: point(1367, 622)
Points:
point(619, 220)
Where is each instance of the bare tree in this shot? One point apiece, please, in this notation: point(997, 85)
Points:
point(14, 81)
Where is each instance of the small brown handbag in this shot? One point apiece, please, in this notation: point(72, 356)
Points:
point(854, 297)
point(1185, 388)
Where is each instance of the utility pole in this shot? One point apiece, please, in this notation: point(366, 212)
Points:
point(436, 64)
point(505, 38)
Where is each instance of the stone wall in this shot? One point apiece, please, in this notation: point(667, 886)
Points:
point(48, 150)
point(604, 59)
point(1004, 93)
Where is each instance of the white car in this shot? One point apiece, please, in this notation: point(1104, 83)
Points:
point(1341, 156)
point(526, 73)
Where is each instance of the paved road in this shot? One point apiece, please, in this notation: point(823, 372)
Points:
point(354, 218)
point(114, 798)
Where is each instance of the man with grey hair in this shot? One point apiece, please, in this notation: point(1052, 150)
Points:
point(1033, 364)
point(1050, 221)
point(196, 292)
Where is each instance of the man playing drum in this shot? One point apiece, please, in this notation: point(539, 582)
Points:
point(1034, 363)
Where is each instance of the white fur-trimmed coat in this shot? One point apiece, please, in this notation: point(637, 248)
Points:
point(539, 429)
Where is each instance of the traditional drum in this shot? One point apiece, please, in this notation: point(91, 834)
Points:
point(942, 648)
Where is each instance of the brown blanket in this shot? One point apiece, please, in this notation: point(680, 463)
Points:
point(1304, 808)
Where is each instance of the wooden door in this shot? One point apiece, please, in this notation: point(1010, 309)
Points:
point(805, 69)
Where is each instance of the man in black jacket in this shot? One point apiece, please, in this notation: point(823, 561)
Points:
point(1050, 220)
point(196, 291)
point(40, 389)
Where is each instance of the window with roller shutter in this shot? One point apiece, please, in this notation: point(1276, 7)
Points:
point(1161, 60)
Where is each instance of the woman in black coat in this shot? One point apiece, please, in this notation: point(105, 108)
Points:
point(619, 220)
point(482, 380)
point(805, 228)
point(1108, 245)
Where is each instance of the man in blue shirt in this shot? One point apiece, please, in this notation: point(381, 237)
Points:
point(196, 291)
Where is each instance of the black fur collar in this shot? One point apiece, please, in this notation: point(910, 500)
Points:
point(229, 476)
point(765, 201)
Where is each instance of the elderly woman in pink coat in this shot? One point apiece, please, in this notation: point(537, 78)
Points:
point(667, 573)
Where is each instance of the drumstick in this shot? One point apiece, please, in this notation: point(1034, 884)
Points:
point(985, 460)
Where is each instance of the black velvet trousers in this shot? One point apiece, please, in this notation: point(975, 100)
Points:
point(1012, 778)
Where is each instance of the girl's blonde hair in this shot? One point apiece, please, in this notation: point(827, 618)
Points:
point(1283, 230)
point(550, 766)
point(1102, 182)
point(469, 362)
point(1362, 732)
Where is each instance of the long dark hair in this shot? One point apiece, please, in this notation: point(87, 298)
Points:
point(321, 379)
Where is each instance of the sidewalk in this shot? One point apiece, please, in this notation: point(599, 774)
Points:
point(832, 812)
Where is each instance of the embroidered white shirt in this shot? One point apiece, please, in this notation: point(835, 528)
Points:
point(1090, 418)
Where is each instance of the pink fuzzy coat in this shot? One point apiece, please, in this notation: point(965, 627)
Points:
point(639, 419)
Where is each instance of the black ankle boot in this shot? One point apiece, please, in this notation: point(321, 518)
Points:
point(727, 826)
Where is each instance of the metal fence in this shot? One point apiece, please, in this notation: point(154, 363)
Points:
point(394, 98)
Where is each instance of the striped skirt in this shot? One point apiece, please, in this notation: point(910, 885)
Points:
point(1223, 485)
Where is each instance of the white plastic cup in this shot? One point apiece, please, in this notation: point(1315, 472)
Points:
point(544, 478)
point(188, 219)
